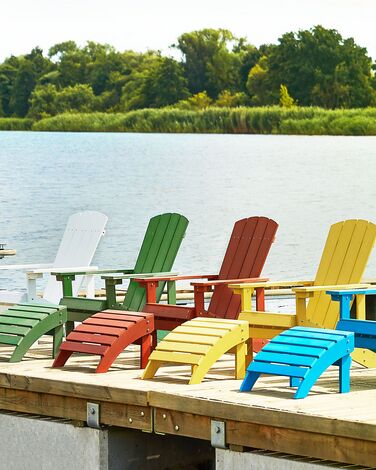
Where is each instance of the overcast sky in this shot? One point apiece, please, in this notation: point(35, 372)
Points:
point(148, 24)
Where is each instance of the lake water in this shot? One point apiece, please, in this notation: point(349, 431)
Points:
point(304, 183)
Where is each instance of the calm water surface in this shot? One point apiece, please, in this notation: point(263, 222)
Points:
point(304, 183)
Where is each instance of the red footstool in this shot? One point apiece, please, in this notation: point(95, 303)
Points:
point(107, 334)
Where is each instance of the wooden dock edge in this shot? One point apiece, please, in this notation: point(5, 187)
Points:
point(251, 435)
point(75, 409)
point(86, 391)
point(248, 427)
point(261, 415)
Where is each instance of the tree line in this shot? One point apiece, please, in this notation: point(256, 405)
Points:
point(315, 67)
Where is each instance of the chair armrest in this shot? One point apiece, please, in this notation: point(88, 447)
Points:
point(89, 270)
point(201, 287)
point(271, 284)
point(27, 266)
point(141, 276)
point(151, 285)
point(360, 291)
point(68, 277)
point(229, 281)
point(4, 252)
point(246, 291)
point(345, 296)
point(303, 293)
point(111, 281)
point(312, 289)
point(77, 270)
point(176, 278)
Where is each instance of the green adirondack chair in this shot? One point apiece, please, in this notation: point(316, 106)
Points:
point(160, 246)
point(162, 240)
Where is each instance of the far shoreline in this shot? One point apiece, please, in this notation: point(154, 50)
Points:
point(212, 120)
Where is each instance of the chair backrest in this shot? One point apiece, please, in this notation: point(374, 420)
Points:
point(245, 257)
point(77, 248)
point(343, 261)
point(161, 244)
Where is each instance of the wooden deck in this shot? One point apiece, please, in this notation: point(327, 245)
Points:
point(325, 425)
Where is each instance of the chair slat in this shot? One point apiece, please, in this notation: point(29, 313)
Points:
point(288, 359)
point(276, 369)
point(293, 349)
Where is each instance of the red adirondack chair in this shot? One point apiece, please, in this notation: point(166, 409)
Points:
point(244, 259)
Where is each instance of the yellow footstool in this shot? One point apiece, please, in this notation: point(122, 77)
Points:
point(201, 342)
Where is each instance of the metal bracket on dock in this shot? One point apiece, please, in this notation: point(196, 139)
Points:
point(218, 434)
point(92, 415)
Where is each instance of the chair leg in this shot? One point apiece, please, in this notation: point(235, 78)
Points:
point(344, 374)
point(154, 340)
point(57, 339)
point(69, 326)
point(249, 355)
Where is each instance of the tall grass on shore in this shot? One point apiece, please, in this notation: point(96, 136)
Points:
point(15, 124)
point(242, 120)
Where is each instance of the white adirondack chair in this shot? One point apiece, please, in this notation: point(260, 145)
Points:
point(76, 250)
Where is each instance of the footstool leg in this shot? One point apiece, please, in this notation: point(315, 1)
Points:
point(295, 381)
point(146, 342)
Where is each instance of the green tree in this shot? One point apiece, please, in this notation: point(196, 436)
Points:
point(103, 61)
point(210, 62)
point(136, 76)
point(165, 83)
point(75, 98)
point(249, 56)
point(47, 100)
point(8, 72)
point(71, 63)
point(22, 88)
point(320, 68)
point(257, 81)
point(43, 101)
point(28, 69)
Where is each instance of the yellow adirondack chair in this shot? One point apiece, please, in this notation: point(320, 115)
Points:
point(342, 265)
